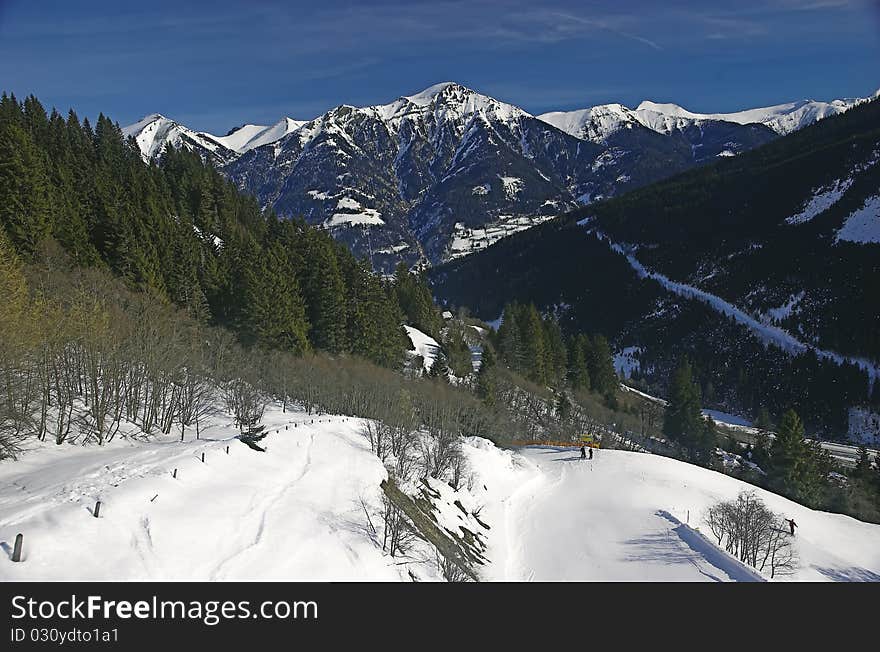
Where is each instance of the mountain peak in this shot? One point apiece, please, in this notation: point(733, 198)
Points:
point(426, 96)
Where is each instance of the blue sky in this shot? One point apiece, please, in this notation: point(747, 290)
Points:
point(214, 65)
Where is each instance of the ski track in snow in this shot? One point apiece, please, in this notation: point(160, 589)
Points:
point(264, 513)
point(774, 335)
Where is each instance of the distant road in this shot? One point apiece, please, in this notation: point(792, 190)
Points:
point(846, 453)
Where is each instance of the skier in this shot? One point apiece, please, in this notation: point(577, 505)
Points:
point(591, 452)
point(791, 524)
point(583, 453)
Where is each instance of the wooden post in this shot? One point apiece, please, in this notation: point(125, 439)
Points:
point(285, 427)
point(16, 552)
point(203, 457)
point(174, 475)
point(97, 512)
point(227, 450)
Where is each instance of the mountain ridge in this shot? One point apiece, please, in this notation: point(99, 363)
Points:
point(447, 171)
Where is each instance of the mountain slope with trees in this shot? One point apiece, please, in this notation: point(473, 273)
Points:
point(725, 229)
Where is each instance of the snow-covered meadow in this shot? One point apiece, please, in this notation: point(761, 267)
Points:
point(306, 510)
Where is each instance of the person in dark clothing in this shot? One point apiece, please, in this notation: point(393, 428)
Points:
point(583, 453)
point(791, 524)
point(591, 452)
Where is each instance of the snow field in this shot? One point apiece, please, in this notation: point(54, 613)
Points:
point(291, 513)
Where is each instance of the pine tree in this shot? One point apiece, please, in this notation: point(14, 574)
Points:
point(683, 420)
point(416, 301)
point(274, 311)
point(25, 206)
point(440, 368)
point(486, 377)
point(578, 375)
point(600, 363)
point(563, 407)
point(510, 345)
point(763, 421)
point(863, 464)
point(556, 355)
point(534, 347)
point(799, 468)
point(324, 291)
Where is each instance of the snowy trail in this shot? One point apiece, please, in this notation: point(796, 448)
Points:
point(637, 517)
point(292, 513)
point(576, 526)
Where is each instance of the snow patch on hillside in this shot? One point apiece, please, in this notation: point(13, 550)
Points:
point(863, 224)
point(466, 240)
point(512, 186)
point(785, 310)
point(821, 201)
point(627, 360)
point(367, 217)
point(423, 345)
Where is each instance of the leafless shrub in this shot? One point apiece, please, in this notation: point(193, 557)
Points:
point(747, 529)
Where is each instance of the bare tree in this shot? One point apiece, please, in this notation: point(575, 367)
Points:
point(747, 529)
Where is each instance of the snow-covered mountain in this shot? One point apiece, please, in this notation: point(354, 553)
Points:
point(155, 131)
point(598, 122)
point(781, 118)
point(448, 170)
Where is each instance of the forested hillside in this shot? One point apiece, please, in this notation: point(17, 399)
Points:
point(663, 269)
point(180, 231)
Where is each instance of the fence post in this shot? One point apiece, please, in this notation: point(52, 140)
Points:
point(203, 456)
point(16, 552)
point(227, 450)
point(97, 509)
point(174, 475)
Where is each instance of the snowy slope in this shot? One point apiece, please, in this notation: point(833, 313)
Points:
point(239, 137)
point(423, 345)
point(271, 134)
point(635, 517)
point(863, 224)
point(299, 512)
point(293, 512)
